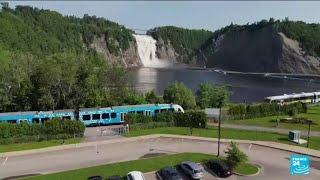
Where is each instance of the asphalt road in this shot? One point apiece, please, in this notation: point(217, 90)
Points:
point(275, 163)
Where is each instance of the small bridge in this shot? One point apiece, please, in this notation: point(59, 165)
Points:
point(141, 31)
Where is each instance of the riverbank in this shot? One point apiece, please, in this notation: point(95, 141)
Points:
point(266, 74)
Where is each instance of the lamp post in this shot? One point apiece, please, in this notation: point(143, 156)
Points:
point(219, 127)
point(309, 121)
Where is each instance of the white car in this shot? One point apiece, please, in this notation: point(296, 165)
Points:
point(135, 175)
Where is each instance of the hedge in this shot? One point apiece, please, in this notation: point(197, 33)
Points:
point(241, 111)
point(52, 129)
point(196, 119)
point(187, 119)
point(150, 125)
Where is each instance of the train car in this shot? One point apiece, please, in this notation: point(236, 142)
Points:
point(312, 97)
point(90, 116)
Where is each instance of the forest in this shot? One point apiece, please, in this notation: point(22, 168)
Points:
point(185, 41)
point(43, 32)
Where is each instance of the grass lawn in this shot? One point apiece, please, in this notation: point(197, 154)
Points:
point(143, 165)
point(36, 145)
point(246, 169)
point(227, 134)
point(313, 114)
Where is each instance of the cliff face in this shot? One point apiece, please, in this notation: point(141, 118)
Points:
point(166, 51)
point(264, 50)
point(127, 58)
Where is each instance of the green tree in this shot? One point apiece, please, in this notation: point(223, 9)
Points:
point(151, 97)
point(219, 96)
point(204, 94)
point(235, 156)
point(178, 93)
point(212, 96)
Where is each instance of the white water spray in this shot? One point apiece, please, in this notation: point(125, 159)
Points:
point(147, 52)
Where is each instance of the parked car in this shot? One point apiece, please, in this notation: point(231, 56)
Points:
point(115, 177)
point(95, 178)
point(219, 167)
point(135, 175)
point(192, 169)
point(169, 173)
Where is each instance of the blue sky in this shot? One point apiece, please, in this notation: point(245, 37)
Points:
point(209, 15)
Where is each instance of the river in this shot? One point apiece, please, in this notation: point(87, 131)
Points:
point(249, 88)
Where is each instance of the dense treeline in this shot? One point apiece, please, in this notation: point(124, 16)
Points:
point(44, 65)
point(242, 111)
point(53, 129)
point(185, 41)
point(61, 81)
point(44, 32)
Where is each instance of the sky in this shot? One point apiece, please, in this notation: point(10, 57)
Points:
point(210, 15)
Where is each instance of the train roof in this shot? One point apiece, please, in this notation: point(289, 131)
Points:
point(18, 113)
point(121, 107)
point(293, 95)
point(82, 109)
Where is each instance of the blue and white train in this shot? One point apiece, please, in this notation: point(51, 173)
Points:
point(90, 116)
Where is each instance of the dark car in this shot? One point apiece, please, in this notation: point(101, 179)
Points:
point(170, 173)
point(115, 177)
point(95, 178)
point(219, 167)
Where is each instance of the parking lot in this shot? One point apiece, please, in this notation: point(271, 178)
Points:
point(208, 175)
point(274, 163)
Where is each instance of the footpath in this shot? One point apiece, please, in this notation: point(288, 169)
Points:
point(266, 129)
point(280, 146)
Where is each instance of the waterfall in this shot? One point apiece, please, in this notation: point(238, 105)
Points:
point(147, 52)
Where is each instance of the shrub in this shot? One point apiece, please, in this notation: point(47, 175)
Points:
point(191, 119)
point(235, 156)
point(165, 117)
point(53, 129)
point(150, 125)
point(241, 111)
point(293, 112)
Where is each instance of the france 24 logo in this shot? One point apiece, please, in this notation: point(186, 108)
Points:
point(299, 164)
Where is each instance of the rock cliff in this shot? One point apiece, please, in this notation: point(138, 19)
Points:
point(264, 50)
point(128, 58)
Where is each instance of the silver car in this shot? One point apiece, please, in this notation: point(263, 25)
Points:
point(192, 169)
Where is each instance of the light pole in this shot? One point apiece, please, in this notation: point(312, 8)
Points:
point(309, 121)
point(219, 127)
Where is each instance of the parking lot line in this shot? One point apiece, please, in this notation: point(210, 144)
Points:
point(250, 146)
point(4, 162)
point(157, 140)
point(209, 170)
point(159, 175)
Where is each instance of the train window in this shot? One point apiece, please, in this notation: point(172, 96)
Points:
point(86, 117)
point(105, 116)
point(113, 115)
point(23, 120)
point(164, 110)
point(66, 117)
point(35, 120)
point(171, 109)
point(43, 120)
point(96, 116)
point(157, 111)
point(148, 113)
point(131, 112)
point(12, 121)
point(139, 112)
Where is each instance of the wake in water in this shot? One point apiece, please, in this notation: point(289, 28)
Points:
point(147, 52)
